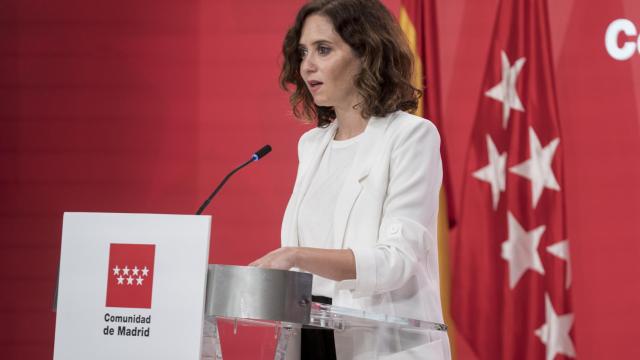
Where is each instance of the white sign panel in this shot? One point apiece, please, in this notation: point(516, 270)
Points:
point(131, 286)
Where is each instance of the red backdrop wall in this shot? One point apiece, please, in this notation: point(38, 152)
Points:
point(144, 106)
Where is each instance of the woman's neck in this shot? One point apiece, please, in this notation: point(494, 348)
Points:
point(350, 123)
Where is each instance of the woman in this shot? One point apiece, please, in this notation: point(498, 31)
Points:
point(362, 216)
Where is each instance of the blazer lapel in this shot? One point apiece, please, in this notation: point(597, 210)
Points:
point(369, 149)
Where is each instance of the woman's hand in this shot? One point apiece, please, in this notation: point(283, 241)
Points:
point(282, 259)
point(332, 264)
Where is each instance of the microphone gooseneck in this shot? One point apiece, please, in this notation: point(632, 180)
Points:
point(255, 157)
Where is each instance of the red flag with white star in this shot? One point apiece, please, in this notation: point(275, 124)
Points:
point(130, 281)
point(511, 280)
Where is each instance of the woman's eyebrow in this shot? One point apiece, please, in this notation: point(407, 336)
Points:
point(321, 42)
point(317, 42)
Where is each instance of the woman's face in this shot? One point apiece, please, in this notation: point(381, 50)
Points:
point(329, 65)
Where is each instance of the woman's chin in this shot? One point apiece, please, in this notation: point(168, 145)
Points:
point(321, 102)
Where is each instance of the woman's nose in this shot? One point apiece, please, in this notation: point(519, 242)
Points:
point(308, 65)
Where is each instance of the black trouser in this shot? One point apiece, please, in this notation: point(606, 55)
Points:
point(315, 343)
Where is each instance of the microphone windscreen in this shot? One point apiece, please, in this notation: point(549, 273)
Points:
point(263, 151)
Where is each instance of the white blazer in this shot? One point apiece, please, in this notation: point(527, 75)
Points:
point(386, 214)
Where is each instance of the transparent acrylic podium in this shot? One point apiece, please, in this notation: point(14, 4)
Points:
point(240, 297)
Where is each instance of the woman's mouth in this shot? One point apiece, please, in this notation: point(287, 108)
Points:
point(314, 85)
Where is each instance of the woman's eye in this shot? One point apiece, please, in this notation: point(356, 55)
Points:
point(302, 53)
point(323, 50)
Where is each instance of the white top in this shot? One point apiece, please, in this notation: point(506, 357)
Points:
point(315, 223)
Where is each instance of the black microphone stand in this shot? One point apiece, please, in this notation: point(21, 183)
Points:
point(206, 202)
point(255, 157)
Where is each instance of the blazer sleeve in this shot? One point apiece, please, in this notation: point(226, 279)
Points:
point(408, 224)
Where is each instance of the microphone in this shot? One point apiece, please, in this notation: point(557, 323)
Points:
point(255, 157)
point(261, 153)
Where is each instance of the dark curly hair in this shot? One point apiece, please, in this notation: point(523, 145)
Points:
point(387, 62)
